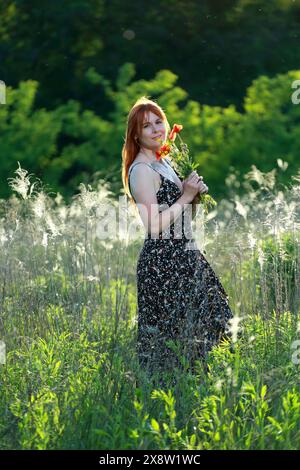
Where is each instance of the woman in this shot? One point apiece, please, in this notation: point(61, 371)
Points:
point(182, 307)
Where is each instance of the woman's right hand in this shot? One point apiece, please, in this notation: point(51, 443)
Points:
point(192, 186)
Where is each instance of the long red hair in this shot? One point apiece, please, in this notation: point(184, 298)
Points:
point(135, 121)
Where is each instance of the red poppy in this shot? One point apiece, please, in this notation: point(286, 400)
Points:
point(163, 151)
point(175, 130)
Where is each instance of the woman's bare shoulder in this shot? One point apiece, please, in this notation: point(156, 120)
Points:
point(137, 160)
point(140, 175)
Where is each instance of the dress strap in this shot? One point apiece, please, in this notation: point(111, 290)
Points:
point(166, 159)
point(148, 164)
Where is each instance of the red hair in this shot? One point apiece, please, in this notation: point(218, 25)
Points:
point(135, 121)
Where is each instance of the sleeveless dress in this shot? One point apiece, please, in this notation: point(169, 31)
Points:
point(179, 296)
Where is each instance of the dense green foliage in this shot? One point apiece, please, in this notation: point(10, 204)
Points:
point(74, 69)
point(77, 389)
point(68, 145)
point(216, 48)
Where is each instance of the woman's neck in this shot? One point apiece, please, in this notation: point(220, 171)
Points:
point(149, 155)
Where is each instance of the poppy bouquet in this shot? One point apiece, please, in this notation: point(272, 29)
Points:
point(182, 161)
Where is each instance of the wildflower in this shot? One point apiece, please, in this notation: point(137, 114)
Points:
point(242, 210)
point(3, 237)
point(218, 384)
point(87, 196)
point(45, 239)
point(234, 327)
point(21, 183)
point(51, 225)
point(183, 163)
point(92, 278)
point(251, 240)
point(176, 128)
point(164, 150)
point(39, 205)
point(261, 257)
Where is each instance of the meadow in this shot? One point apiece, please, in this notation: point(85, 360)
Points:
point(69, 375)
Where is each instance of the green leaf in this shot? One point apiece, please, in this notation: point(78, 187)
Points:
point(155, 425)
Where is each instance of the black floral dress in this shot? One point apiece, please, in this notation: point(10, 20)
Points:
point(183, 309)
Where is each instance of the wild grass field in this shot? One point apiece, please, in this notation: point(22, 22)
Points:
point(69, 376)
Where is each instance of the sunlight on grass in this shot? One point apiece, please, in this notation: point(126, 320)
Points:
point(71, 378)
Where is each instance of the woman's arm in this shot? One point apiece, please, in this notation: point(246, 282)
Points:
point(143, 190)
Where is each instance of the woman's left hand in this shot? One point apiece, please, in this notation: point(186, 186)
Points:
point(203, 188)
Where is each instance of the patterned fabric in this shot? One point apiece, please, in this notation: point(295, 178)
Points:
point(179, 296)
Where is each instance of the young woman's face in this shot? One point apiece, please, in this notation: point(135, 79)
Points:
point(153, 128)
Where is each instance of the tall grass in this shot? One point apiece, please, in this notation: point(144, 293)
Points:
point(68, 316)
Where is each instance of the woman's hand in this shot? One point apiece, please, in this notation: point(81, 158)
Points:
point(193, 185)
